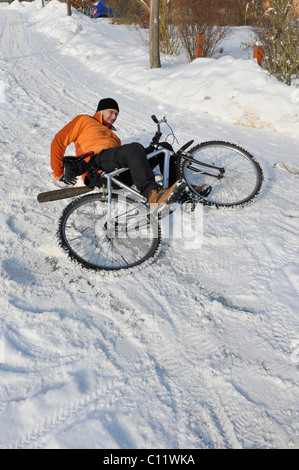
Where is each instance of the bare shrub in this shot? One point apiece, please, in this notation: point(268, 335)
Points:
point(125, 11)
point(278, 34)
point(170, 41)
point(82, 5)
point(198, 16)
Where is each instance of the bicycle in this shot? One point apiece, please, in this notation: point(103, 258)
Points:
point(112, 231)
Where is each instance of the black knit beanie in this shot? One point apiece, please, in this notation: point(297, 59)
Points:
point(107, 103)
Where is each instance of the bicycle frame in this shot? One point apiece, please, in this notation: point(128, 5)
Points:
point(111, 177)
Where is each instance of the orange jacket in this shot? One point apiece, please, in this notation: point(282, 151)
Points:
point(88, 133)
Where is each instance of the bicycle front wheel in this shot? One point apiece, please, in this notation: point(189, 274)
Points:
point(127, 238)
point(239, 182)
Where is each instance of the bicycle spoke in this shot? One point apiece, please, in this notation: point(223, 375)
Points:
point(240, 182)
point(127, 240)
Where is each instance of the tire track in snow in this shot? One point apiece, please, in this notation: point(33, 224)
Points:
point(103, 399)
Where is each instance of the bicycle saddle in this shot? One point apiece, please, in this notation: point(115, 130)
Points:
point(78, 164)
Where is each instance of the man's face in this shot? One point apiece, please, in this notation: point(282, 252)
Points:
point(109, 115)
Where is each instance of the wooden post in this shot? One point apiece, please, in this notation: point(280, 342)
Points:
point(154, 43)
point(68, 6)
point(258, 54)
point(199, 45)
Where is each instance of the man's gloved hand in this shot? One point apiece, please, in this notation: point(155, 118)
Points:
point(69, 177)
point(64, 180)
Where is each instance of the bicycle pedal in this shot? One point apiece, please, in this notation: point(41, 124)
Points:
point(204, 191)
point(177, 193)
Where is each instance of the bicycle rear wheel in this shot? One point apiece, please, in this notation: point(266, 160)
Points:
point(238, 185)
point(129, 238)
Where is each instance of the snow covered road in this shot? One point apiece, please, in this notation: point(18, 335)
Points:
point(199, 349)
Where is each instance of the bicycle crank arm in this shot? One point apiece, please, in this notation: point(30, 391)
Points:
point(62, 193)
point(206, 165)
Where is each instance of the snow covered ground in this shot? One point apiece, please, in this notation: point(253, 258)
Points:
point(201, 348)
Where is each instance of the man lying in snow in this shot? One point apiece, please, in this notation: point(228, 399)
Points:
point(95, 134)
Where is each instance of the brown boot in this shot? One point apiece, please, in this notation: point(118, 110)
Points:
point(161, 195)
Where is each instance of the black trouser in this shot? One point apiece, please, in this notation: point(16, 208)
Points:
point(134, 157)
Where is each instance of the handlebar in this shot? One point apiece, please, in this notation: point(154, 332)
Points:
point(158, 134)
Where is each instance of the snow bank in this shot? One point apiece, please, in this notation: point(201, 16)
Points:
point(227, 88)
